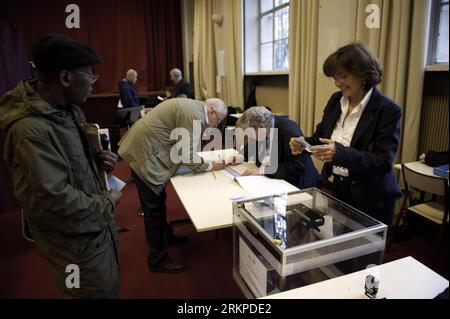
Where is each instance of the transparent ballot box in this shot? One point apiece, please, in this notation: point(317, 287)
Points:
point(292, 240)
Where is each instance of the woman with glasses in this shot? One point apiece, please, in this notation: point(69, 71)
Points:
point(358, 136)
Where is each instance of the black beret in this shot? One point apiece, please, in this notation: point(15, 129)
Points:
point(54, 52)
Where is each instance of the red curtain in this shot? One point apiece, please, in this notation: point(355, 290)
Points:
point(144, 35)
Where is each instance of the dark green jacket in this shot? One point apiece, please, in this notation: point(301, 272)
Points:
point(55, 179)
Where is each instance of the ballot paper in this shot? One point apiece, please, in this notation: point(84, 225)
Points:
point(116, 184)
point(233, 171)
point(94, 133)
point(261, 186)
point(218, 155)
point(305, 144)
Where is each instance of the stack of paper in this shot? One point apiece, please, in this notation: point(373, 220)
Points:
point(219, 155)
point(260, 186)
point(237, 170)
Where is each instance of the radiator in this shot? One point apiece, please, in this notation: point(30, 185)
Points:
point(434, 124)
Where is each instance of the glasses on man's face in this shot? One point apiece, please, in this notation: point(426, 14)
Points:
point(219, 120)
point(92, 77)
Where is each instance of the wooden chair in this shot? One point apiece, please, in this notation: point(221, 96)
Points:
point(428, 210)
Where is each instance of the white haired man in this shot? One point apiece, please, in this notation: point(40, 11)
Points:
point(182, 88)
point(147, 148)
point(273, 155)
point(128, 94)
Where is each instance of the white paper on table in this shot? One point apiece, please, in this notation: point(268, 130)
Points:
point(259, 210)
point(260, 186)
point(116, 184)
point(233, 171)
point(252, 270)
point(218, 155)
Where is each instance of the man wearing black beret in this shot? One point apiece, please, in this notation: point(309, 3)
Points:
point(54, 170)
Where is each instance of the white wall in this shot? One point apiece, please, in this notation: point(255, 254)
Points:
point(273, 92)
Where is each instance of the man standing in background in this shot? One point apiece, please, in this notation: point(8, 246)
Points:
point(128, 94)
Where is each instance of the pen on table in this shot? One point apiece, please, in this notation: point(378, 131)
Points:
point(214, 175)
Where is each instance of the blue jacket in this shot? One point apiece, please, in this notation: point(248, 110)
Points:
point(183, 88)
point(128, 94)
point(297, 170)
point(370, 156)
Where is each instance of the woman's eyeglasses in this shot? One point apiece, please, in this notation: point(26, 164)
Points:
point(339, 77)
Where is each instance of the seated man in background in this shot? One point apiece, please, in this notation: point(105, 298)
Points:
point(271, 146)
point(128, 94)
point(182, 87)
point(147, 147)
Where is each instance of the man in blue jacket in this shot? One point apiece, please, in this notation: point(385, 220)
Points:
point(128, 94)
point(273, 155)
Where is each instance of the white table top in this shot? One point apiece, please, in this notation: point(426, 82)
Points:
point(419, 167)
point(404, 278)
point(207, 199)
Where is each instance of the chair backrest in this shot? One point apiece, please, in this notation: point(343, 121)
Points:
point(122, 117)
point(426, 183)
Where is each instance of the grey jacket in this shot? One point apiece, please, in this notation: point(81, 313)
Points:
point(148, 146)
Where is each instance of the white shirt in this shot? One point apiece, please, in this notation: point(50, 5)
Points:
point(210, 164)
point(266, 161)
point(345, 127)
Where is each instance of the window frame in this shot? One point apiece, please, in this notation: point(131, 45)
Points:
point(260, 44)
point(435, 19)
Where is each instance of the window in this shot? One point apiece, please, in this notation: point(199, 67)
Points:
point(438, 46)
point(266, 35)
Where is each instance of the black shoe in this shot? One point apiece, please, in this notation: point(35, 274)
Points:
point(169, 267)
point(177, 240)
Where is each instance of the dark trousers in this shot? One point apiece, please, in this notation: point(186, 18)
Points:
point(157, 230)
point(341, 190)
